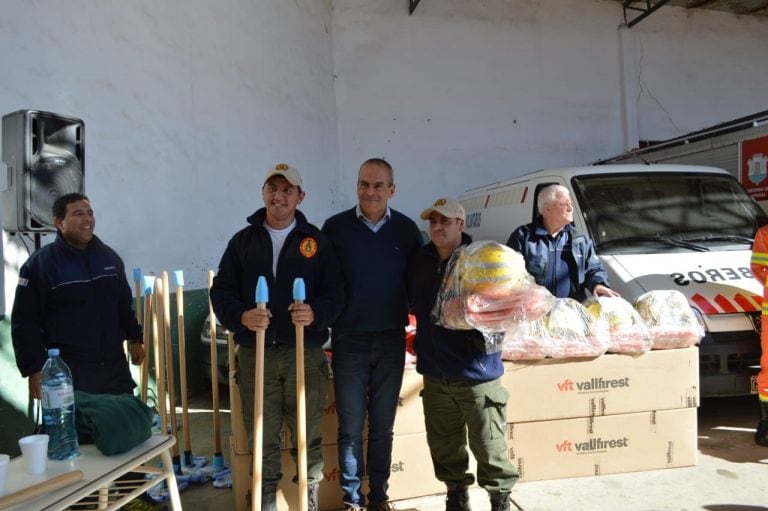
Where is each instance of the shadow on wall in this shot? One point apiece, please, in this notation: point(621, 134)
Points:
point(16, 414)
point(14, 424)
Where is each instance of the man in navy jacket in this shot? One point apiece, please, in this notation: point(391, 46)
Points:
point(73, 295)
point(373, 242)
point(557, 256)
point(464, 400)
point(281, 245)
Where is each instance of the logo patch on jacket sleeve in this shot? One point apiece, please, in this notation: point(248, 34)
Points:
point(308, 247)
point(23, 282)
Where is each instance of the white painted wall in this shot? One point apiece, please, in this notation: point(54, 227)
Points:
point(698, 69)
point(462, 94)
point(186, 103)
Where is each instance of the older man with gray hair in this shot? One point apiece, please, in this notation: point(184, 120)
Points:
point(558, 256)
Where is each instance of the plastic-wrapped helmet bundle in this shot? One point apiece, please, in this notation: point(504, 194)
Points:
point(528, 340)
point(487, 287)
point(574, 332)
point(671, 321)
point(627, 330)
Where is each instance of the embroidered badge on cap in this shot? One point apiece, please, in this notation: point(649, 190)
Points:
point(308, 247)
point(439, 202)
point(281, 166)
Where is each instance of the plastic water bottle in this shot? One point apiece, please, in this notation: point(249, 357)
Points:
point(59, 408)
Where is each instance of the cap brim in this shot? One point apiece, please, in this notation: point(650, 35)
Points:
point(425, 214)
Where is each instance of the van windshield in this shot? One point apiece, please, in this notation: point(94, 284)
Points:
point(684, 211)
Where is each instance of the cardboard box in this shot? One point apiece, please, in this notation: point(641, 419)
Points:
point(606, 385)
point(409, 418)
point(410, 409)
point(603, 445)
point(412, 474)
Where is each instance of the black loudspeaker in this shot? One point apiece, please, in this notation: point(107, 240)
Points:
point(44, 154)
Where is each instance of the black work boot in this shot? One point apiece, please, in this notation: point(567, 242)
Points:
point(313, 494)
point(761, 433)
point(457, 498)
point(500, 501)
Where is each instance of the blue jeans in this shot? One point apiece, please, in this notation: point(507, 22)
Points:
point(367, 376)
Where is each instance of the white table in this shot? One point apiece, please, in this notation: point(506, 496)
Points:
point(98, 486)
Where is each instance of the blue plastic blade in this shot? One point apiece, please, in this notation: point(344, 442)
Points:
point(149, 285)
point(262, 292)
point(136, 274)
point(299, 290)
point(178, 276)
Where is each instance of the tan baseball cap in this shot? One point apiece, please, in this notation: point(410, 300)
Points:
point(446, 206)
point(285, 170)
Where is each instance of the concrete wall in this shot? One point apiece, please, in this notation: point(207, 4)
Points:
point(186, 103)
point(462, 94)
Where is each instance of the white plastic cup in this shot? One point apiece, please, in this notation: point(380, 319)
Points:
point(34, 451)
point(4, 461)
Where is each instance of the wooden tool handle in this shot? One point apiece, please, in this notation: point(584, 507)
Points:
point(214, 370)
point(258, 417)
point(301, 417)
point(51, 485)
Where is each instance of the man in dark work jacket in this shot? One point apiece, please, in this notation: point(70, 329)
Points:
point(73, 295)
point(464, 401)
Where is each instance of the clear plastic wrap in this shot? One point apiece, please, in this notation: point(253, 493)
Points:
point(627, 330)
point(574, 332)
point(486, 287)
point(671, 321)
point(527, 340)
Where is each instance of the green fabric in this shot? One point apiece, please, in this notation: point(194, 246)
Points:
point(115, 422)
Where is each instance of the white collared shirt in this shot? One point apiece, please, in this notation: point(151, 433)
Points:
point(373, 226)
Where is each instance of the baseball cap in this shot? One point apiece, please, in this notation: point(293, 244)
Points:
point(285, 170)
point(446, 206)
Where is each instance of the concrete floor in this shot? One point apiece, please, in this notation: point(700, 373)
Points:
point(730, 475)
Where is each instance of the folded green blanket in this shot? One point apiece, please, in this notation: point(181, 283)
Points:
point(115, 423)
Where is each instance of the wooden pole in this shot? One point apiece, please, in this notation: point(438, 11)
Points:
point(262, 297)
point(299, 295)
point(49, 486)
point(218, 459)
point(238, 428)
point(169, 367)
point(178, 276)
point(149, 286)
point(159, 353)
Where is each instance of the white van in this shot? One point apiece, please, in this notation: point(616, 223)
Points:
point(679, 227)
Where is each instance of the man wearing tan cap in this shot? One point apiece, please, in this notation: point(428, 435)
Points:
point(281, 245)
point(463, 396)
